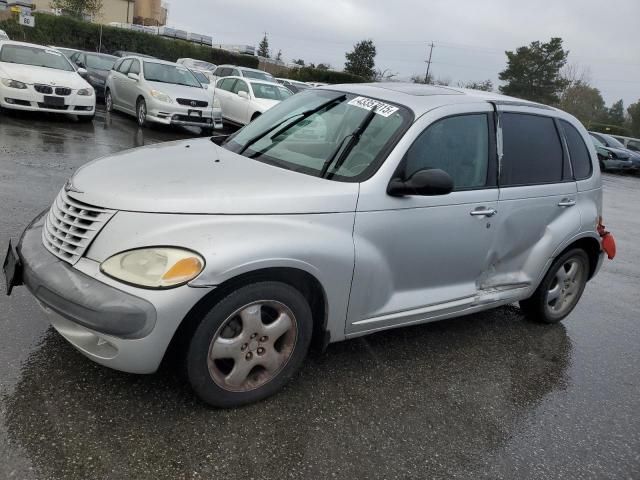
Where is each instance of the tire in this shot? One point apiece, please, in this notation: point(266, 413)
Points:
point(264, 356)
point(560, 290)
point(141, 112)
point(86, 118)
point(108, 101)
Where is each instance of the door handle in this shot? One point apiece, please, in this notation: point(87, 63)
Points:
point(483, 212)
point(566, 202)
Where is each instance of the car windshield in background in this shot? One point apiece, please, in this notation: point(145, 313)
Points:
point(176, 74)
point(307, 144)
point(612, 142)
point(201, 64)
point(100, 62)
point(270, 91)
point(38, 57)
point(597, 142)
point(202, 78)
point(257, 75)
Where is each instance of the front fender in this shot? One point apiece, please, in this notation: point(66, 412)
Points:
point(232, 245)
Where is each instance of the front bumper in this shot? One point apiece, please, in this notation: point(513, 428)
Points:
point(30, 100)
point(112, 326)
point(176, 114)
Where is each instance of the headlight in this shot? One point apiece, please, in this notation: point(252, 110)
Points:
point(611, 155)
point(161, 267)
point(163, 97)
point(7, 82)
point(216, 103)
point(85, 92)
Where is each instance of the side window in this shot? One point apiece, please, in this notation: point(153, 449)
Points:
point(226, 84)
point(124, 66)
point(135, 67)
point(578, 152)
point(224, 72)
point(240, 86)
point(634, 145)
point(116, 65)
point(235, 73)
point(532, 152)
point(458, 145)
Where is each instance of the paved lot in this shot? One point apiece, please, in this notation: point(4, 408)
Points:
point(485, 396)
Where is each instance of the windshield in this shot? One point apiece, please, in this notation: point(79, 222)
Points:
point(270, 91)
point(175, 74)
point(201, 64)
point(202, 78)
point(38, 57)
point(257, 75)
point(100, 62)
point(309, 143)
point(612, 142)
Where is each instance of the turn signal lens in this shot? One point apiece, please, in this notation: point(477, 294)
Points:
point(160, 267)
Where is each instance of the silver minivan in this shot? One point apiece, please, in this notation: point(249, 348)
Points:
point(342, 211)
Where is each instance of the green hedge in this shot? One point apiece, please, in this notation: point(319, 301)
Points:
point(307, 74)
point(72, 33)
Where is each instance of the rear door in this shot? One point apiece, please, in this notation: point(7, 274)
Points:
point(238, 106)
point(130, 87)
point(223, 94)
point(119, 84)
point(538, 198)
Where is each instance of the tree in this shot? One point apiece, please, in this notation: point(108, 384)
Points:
point(431, 80)
point(584, 102)
point(299, 61)
point(263, 48)
point(279, 56)
point(323, 66)
point(78, 8)
point(634, 114)
point(385, 75)
point(485, 85)
point(616, 114)
point(533, 72)
point(361, 60)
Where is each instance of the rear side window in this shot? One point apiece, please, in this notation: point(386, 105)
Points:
point(240, 86)
point(226, 84)
point(124, 66)
point(532, 152)
point(634, 145)
point(458, 145)
point(116, 65)
point(578, 152)
point(135, 67)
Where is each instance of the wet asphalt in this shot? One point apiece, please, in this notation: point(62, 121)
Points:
point(484, 396)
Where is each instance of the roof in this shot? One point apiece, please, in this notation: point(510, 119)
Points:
point(421, 98)
point(243, 68)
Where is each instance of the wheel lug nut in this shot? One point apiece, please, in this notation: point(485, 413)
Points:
point(249, 356)
point(260, 351)
point(264, 339)
point(244, 347)
point(254, 335)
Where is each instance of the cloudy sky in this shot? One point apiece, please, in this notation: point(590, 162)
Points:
point(470, 35)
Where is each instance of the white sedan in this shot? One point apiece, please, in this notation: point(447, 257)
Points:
point(243, 99)
point(37, 78)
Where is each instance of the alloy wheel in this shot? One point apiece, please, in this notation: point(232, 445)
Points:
point(565, 287)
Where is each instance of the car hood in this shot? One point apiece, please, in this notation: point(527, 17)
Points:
point(266, 104)
point(198, 177)
point(619, 153)
point(96, 72)
point(49, 76)
point(180, 91)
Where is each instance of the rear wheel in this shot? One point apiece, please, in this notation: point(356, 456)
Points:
point(602, 167)
point(560, 289)
point(250, 344)
point(141, 112)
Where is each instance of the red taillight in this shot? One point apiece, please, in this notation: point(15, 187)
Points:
point(608, 242)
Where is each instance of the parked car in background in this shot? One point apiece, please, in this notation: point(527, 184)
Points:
point(245, 72)
point(611, 142)
point(244, 253)
point(38, 78)
point(98, 66)
point(162, 92)
point(3, 35)
point(317, 84)
point(611, 158)
point(293, 85)
point(125, 53)
point(630, 143)
point(67, 52)
point(243, 100)
point(193, 64)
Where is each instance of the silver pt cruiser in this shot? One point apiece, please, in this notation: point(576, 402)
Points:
point(340, 212)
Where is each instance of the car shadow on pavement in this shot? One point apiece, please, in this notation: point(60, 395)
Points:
point(435, 399)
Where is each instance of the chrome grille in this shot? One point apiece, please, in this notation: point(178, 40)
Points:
point(71, 226)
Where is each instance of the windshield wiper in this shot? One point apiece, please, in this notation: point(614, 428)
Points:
point(354, 138)
point(302, 116)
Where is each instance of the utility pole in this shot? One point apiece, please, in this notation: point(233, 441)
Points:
point(426, 76)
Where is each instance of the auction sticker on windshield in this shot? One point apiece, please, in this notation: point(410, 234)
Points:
point(383, 109)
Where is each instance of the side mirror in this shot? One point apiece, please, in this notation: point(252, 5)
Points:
point(82, 72)
point(424, 182)
point(243, 94)
point(133, 76)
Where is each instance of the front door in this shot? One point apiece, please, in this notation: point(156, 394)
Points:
point(421, 257)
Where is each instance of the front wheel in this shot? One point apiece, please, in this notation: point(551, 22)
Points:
point(560, 289)
point(108, 100)
point(250, 344)
point(141, 112)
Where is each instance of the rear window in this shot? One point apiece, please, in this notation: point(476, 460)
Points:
point(578, 152)
point(532, 152)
